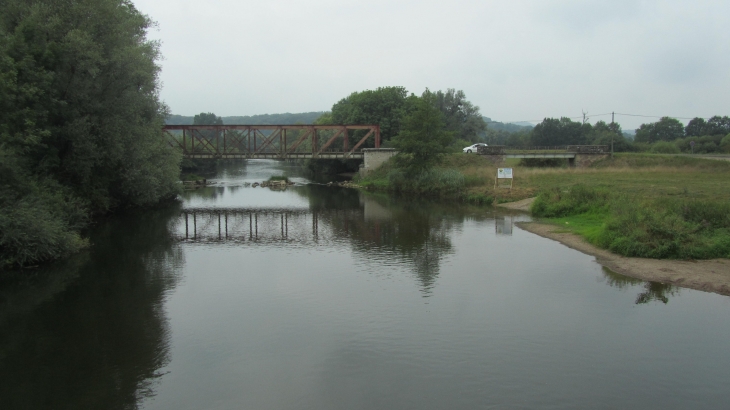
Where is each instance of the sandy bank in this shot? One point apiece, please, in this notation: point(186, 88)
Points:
point(523, 205)
point(706, 275)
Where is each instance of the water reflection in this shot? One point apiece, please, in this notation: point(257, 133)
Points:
point(503, 224)
point(378, 229)
point(652, 291)
point(91, 332)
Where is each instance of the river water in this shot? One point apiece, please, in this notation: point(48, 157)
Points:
point(318, 297)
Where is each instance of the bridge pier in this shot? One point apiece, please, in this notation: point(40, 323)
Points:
point(585, 160)
point(375, 157)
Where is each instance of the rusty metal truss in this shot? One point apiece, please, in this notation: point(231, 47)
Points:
point(272, 141)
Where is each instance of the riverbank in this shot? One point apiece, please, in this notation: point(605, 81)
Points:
point(706, 275)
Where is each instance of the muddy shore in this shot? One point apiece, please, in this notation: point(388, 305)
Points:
point(706, 275)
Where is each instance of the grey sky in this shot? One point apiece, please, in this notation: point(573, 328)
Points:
point(517, 60)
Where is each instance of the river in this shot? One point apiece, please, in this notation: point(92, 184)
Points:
point(319, 297)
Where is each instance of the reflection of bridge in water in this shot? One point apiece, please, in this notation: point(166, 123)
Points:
point(255, 225)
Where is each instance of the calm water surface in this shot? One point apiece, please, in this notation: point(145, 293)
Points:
point(326, 298)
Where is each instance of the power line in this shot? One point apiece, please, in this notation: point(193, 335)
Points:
point(659, 116)
point(599, 115)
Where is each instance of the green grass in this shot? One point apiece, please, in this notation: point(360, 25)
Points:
point(676, 228)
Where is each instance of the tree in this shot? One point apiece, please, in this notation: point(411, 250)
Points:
point(423, 138)
point(718, 125)
point(666, 129)
point(81, 121)
point(207, 118)
point(552, 131)
point(460, 116)
point(696, 127)
point(385, 106)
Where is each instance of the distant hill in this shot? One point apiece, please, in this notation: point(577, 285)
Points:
point(262, 119)
point(509, 127)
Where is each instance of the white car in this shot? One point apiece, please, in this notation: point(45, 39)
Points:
point(473, 148)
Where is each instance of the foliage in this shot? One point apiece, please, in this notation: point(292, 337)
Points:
point(207, 118)
point(80, 116)
point(505, 127)
point(706, 144)
point(261, 119)
point(554, 132)
point(725, 143)
point(677, 229)
point(620, 143)
point(555, 202)
point(460, 116)
point(385, 106)
point(715, 126)
point(423, 139)
point(457, 145)
point(428, 182)
point(664, 147)
point(666, 129)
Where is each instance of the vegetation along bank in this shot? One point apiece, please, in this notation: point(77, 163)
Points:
point(80, 123)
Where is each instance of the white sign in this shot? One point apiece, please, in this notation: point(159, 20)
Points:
point(504, 173)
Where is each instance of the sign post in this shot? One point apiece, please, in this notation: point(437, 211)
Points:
point(504, 173)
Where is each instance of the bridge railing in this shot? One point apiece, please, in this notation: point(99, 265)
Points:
point(281, 141)
point(577, 149)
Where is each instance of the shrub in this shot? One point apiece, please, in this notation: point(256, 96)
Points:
point(579, 199)
point(664, 147)
point(725, 143)
point(678, 229)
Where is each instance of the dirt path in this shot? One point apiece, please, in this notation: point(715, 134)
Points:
point(706, 275)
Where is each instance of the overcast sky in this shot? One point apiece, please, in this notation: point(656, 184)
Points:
point(517, 60)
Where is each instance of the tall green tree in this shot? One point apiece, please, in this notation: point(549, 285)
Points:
point(385, 106)
point(666, 129)
point(460, 116)
point(81, 121)
point(207, 118)
point(718, 125)
point(564, 131)
point(423, 139)
point(696, 127)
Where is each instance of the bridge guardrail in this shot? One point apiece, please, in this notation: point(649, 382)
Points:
point(577, 149)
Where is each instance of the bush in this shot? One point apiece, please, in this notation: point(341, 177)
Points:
point(579, 199)
point(707, 144)
point(725, 144)
point(664, 147)
point(38, 222)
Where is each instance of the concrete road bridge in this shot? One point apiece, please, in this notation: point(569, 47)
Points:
point(577, 155)
point(273, 141)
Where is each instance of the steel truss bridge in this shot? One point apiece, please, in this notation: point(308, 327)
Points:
point(272, 141)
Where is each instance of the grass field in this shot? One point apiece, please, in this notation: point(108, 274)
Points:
point(640, 175)
point(648, 205)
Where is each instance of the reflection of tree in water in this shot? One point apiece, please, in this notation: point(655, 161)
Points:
point(417, 233)
point(96, 336)
point(652, 290)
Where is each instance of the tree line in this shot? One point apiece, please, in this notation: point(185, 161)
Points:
point(668, 135)
point(80, 122)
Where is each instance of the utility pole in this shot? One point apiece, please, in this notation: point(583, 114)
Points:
point(613, 131)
